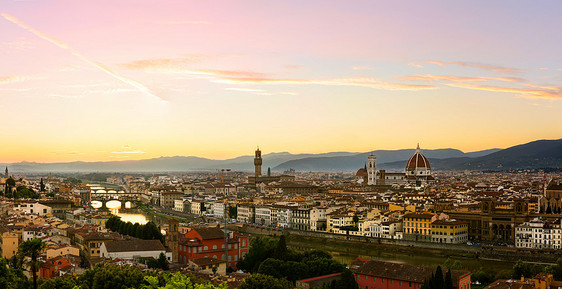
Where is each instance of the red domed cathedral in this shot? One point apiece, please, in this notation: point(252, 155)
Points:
point(417, 172)
point(418, 169)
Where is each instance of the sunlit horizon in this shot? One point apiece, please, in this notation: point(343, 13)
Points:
point(106, 81)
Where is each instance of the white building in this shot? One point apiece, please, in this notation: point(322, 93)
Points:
point(132, 249)
point(196, 207)
point(217, 209)
point(178, 205)
point(300, 219)
point(263, 215)
point(538, 234)
point(318, 219)
point(245, 213)
point(33, 208)
point(284, 216)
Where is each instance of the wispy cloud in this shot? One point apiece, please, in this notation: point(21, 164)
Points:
point(362, 67)
point(62, 45)
point(354, 81)
point(244, 89)
point(163, 64)
point(13, 78)
point(126, 149)
point(179, 22)
point(416, 65)
point(252, 77)
point(440, 63)
point(431, 78)
point(486, 66)
point(537, 91)
point(531, 93)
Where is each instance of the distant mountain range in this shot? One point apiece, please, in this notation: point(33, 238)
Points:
point(537, 154)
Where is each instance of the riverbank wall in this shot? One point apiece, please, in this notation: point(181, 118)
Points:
point(482, 252)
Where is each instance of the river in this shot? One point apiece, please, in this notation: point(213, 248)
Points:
point(346, 253)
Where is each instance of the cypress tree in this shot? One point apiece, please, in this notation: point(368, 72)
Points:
point(439, 280)
point(449, 280)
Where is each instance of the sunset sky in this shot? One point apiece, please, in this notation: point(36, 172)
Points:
point(114, 79)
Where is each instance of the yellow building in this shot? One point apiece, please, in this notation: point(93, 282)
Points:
point(417, 226)
point(9, 244)
point(62, 251)
point(449, 231)
point(338, 220)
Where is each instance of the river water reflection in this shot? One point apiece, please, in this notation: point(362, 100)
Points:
point(346, 253)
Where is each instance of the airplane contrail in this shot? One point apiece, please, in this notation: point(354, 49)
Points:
point(62, 45)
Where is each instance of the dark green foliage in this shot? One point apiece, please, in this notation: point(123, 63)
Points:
point(555, 270)
point(68, 282)
point(112, 277)
point(483, 276)
point(349, 228)
point(450, 264)
point(32, 248)
point(41, 186)
point(260, 281)
point(145, 232)
point(522, 269)
point(281, 249)
point(271, 257)
point(347, 281)
point(261, 248)
point(73, 180)
point(23, 192)
point(448, 280)
point(232, 212)
point(11, 277)
point(436, 281)
point(163, 262)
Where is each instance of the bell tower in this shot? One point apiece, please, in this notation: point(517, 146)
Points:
point(173, 236)
point(372, 170)
point(257, 163)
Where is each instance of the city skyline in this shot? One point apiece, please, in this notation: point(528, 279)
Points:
point(100, 81)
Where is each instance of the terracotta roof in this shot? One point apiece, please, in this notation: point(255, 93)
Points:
point(205, 261)
point(418, 160)
point(511, 284)
point(419, 215)
point(318, 278)
point(210, 233)
point(134, 246)
point(361, 172)
point(398, 271)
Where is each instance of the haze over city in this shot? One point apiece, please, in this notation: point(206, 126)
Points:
point(107, 80)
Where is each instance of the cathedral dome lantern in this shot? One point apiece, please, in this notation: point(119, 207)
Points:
point(418, 165)
point(418, 161)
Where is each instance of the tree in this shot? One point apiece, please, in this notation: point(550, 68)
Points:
point(41, 186)
point(281, 249)
point(347, 281)
point(177, 281)
point(11, 277)
point(232, 212)
point(449, 280)
point(521, 268)
point(163, 262)
point(10, 184)
point(439, 280)
point(261, 281)
point(112, 276)
point(32, 248)
point(450, 264)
